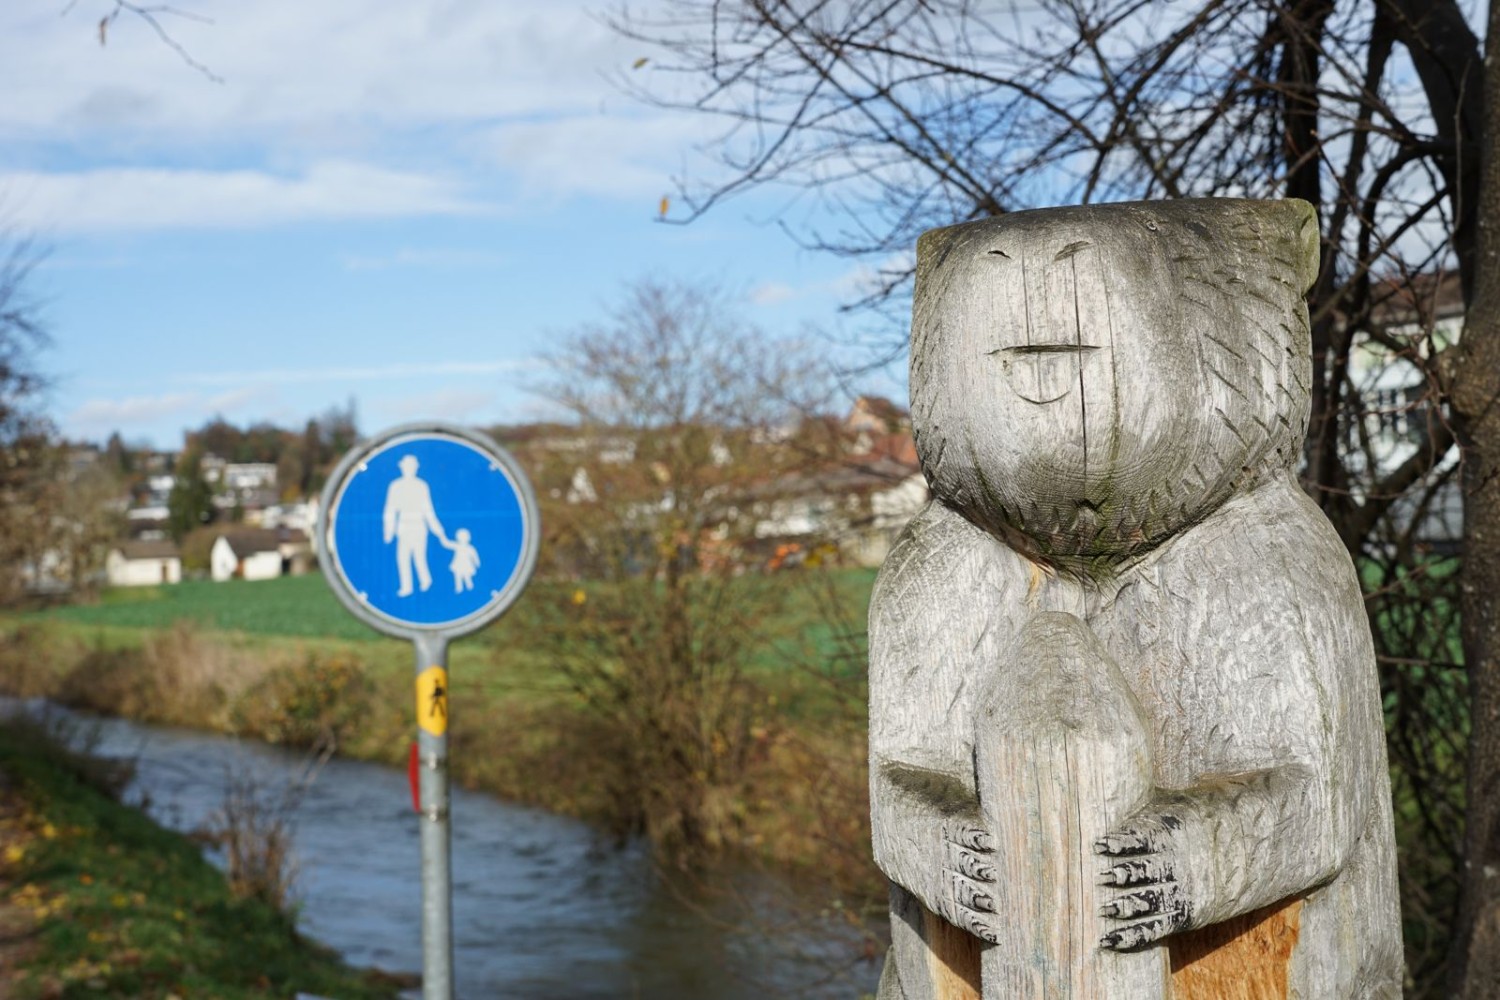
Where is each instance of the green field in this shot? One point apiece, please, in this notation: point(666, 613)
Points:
point(291, 606)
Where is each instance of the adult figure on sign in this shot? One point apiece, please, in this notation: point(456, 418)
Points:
point(407, 518)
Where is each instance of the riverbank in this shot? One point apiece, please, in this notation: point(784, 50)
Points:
point(97, 900)
point(280, 661)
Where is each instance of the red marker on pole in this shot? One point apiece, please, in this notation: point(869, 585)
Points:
point(412, 776)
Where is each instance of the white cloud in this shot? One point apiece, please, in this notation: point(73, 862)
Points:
point(290, 64)
point(863, 278)
point(99, 416)
point(611, 156)
point(279, 376)
point(164, 198)
point(772, 293)
point(446, 404)
point(107, 413)
point(422, 94)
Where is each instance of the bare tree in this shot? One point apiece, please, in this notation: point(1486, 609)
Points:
point(26, 438)
point(681, 413)
point(154, 16)
point(893, 116)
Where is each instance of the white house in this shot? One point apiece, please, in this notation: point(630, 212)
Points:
point(860, 505)
point(301, 516)
point(249, 554)
point(143, 564)
point(1397, 411)
point(243, 477)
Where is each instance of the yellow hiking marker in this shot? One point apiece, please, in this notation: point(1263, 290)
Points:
point(432, 700)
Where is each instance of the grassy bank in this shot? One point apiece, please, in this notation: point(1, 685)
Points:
point(281, 661)
point(98, 901)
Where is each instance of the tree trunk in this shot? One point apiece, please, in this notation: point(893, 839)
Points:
point(1475, 966)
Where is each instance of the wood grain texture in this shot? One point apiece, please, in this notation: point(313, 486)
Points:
point(1062, 757)
point(952, 960)
point(1120, 625)
point(1244, 958)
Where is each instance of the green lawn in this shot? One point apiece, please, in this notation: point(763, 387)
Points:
point(294, 606)
point(115, 906)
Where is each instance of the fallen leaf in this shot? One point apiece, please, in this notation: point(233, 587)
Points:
point(643, 60)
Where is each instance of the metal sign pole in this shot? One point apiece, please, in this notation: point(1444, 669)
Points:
point(428, 532)
point(432, 783)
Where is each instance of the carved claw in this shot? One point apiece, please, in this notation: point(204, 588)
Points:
point(969, 872)
point(972, 895)
point(973, 865)
point(1161, 904)
point(979, 927)
point(1126, 842)
point(1142, 836)
point(1137, 935)
point(1138, 872)
point(1136, 904)
point(972, 837)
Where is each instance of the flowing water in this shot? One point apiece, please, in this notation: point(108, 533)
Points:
point(542, 907)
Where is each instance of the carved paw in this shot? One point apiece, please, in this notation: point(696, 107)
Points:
point(968, 899)
point(1146, 860)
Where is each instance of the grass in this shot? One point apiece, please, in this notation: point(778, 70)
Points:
point(112, 905)
point(300, 606)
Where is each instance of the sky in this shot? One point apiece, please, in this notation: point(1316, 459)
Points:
point(400, 204)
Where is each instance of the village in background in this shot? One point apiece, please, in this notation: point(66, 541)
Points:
point(242, 503)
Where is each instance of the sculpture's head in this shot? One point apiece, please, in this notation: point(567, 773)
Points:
point(1097, 378)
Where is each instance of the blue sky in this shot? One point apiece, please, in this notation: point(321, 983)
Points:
point(399, 203)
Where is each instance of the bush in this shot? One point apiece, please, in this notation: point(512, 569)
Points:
point(317, 704)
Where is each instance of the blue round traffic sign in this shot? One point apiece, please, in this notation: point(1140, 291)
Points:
point(428, 528)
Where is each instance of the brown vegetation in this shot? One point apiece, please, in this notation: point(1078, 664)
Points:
point(798, 798)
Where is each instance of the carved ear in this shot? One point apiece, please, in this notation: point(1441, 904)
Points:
point(933, 248)
point(1308, 242)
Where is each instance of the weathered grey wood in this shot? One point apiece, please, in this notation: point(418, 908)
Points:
point(1062, 758)
point(1108, 404)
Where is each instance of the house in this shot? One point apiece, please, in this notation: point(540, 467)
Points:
point(858, 505)
point(246, 477)
point(302, 515)
point(1426, 311)
point(260, 554)
point(143, 564)
point(296, 550)
point(877, 415)
point(246, 554)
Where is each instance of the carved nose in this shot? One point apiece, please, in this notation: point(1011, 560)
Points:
point(1043, 373)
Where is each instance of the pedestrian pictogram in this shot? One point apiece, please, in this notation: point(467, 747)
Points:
point(432, 700)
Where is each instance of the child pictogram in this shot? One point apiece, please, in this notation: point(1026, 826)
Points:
point(465, 560)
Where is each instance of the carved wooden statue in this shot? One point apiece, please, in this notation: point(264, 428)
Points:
point(1125, 729)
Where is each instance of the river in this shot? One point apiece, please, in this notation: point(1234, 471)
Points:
point(542, 907)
